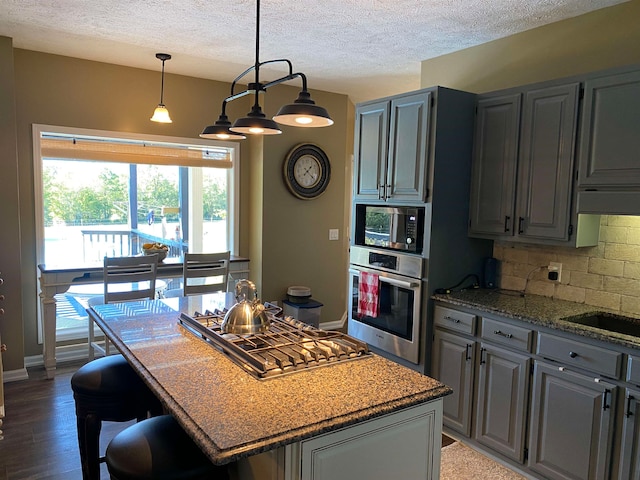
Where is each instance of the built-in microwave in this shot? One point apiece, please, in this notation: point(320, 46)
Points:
point(391, 228)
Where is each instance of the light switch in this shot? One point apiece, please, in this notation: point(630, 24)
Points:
point(334, 234)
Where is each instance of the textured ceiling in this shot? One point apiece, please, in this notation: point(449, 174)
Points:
point(363, 48)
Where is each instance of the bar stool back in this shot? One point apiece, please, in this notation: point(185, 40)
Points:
point(108, 389)
point(158, 448)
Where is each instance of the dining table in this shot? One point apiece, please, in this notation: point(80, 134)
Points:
point(269, 428)
point(59, 278)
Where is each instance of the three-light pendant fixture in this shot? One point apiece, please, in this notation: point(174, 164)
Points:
point(303, 112)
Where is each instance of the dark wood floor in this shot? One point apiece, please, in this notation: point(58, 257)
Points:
point(40, 440)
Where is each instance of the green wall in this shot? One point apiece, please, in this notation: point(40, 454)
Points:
point(606, 38)
point(64, 91)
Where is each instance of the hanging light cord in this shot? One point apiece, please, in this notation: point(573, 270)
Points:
point(256, 66)
point(162, 85)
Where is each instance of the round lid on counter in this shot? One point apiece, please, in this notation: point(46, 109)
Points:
point(299, 291)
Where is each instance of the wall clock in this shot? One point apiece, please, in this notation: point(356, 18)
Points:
point(307, 171)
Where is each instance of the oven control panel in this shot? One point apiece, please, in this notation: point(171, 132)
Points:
point(401, 263)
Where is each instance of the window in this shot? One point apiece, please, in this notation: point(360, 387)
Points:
point(106, 193)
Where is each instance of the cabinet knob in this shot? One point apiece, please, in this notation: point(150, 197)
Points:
point(573, 354)
point(1, 281)
point(1, 297)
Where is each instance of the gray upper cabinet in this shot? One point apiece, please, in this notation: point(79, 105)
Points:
point(546, 162)
point(371, 134)
point(535, 147)
point(392, 148)
point(610, 143)
point(493, 177)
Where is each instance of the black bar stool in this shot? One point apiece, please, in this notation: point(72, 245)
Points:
point(159, 449)
point(107, 390)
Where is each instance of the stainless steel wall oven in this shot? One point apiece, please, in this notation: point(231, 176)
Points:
point(394, 326)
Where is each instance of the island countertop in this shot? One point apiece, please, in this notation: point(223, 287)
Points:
point(230, 413)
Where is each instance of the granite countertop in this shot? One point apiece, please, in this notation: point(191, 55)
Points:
point(229, 412)
point(539, 310)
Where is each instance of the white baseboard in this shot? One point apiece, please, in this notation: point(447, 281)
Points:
point(67, 353)
point(336, 324)
point(14, 375)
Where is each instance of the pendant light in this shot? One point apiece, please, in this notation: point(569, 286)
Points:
point(161, 114)
point(303, 112)
point(220, 130)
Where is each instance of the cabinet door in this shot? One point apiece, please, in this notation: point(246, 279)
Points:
point(371, 134)
point(408, 147)
point(629, 467)
point(503, 390)
point(493, 179)
point(571, 424)
point(545, 165)
point(403, 445)
point(453, 358)
point(609, 140)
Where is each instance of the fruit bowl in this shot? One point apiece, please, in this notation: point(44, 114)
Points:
point(159, 248)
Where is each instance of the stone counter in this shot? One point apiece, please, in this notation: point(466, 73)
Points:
point(229, 412)
point(537, 310)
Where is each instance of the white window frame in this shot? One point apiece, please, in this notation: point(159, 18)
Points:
point(233, 182)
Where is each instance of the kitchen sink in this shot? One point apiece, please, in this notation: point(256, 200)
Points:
point(609, 322)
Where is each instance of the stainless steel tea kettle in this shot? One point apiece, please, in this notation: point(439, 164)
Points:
point(248, 314)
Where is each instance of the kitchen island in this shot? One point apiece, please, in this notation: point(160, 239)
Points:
point(364, 418)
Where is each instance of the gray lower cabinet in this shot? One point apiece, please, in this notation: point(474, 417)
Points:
point(453, 365)
point(610, 144)
point(502, 400)
point(546, 401)
point(630, 446)
point(571, 431)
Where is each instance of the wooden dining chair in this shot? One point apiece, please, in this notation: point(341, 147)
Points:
point(108, 389)
point(203, 273)
point(125, 279)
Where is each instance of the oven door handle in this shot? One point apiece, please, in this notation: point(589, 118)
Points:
point(392, 281)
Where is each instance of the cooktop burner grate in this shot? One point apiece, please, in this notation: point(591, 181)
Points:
point(288, 346)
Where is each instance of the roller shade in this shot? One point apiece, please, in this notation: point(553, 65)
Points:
point(135, 153)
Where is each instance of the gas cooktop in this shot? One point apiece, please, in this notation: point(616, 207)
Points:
point(288, 346)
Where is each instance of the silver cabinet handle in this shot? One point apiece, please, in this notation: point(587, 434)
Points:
point(454, 320)
point(502, 334)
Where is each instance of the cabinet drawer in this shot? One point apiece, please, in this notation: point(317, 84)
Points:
point(633, 369)
point(455, 320)
point(578, 354)
point(505, 334)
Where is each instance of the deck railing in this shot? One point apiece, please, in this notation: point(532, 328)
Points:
point(98, 243)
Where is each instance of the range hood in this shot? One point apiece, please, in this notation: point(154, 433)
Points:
point(608, 202)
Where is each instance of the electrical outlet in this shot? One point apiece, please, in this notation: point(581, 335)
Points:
point(555, 271)
point(334, 234)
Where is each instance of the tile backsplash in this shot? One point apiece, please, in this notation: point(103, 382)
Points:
point(605, 276)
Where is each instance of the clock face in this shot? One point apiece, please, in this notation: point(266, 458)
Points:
point(307, 171)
